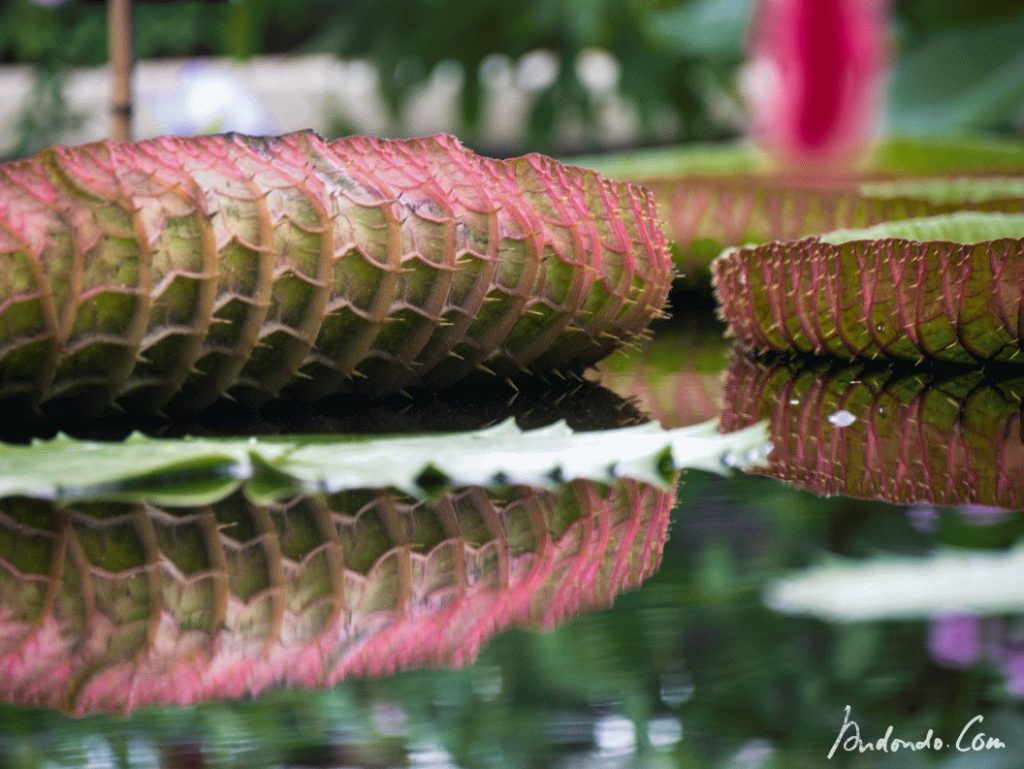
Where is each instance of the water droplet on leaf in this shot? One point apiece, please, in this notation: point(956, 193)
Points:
point(842, 418)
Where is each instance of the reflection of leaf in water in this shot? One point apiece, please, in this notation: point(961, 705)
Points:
point(197, 471)
point(941, 583)
point(915, 435)
point(111, 606)
point(676, 376)
point(946, 288)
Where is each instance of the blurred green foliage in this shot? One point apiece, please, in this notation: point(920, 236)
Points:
point(663, 63)
point(959, 63)
point(961, 74)
point(45, 115)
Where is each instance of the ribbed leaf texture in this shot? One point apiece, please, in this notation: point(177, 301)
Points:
point(109, 607)
point(187, 268)
point(941, 288)
point(881, 433)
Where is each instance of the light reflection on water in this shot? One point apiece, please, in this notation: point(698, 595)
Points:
point(690, 669)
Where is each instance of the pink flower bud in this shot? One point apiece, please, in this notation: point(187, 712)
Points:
point(814, 76)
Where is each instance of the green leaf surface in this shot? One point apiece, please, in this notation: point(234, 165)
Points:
point(664, 162)
point(900, 154)
point(965, 227)
point(910, 153)
point(191, 472)
point(958, 190)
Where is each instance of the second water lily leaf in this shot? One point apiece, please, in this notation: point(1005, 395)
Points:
point(190, 472)
point(895, 155)
point(705, 214)
point(947, 288)
point(717, 196)
point(952, 190)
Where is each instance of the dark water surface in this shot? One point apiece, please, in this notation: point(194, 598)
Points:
point(729, 624)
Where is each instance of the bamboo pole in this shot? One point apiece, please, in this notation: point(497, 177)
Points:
point(121, 55)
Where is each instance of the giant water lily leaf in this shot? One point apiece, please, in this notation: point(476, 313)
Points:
point(705, 214)
point(181, 269)
point(197, 471)
point(112, 606)
point(945, 288)
point(945, 582)
point(716, 196)
point(961, 228)
point(896, 155)
point(902, 436)
point(961, 191)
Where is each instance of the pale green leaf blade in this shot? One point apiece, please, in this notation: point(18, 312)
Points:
point(193, 471)
point(944, 582)
point(959, 227)
point(947, 190)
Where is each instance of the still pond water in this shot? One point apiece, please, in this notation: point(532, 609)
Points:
point(728, 624)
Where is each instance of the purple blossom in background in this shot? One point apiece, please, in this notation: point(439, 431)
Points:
point(209, 99)
point(1008, 655)
point(924, 518)
point(1013, 669)
point(49, 3)
point(955, 640)
point(983, 515)
point(960, 641)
